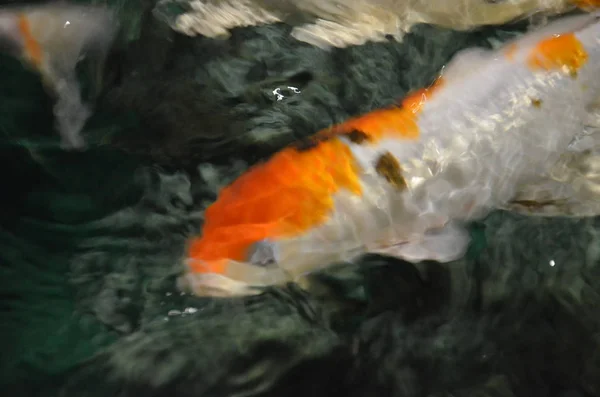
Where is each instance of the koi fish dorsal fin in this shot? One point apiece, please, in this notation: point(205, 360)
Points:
point(52, 39)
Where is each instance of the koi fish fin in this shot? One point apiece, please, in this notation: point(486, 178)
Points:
point(443, 245)
point(53, 39)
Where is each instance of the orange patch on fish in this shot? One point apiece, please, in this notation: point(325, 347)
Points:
point(510, 51)
point(558, 52)
point(586, 4)
point(33, 50)
point(395, 122)
point(285, 196)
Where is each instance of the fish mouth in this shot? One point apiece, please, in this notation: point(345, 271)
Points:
point(216, 286)
point(235, 279)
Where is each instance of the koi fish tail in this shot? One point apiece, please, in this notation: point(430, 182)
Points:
point(52, 39)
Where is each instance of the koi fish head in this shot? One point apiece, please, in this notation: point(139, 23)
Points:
point(233, 261)
point(283, 198)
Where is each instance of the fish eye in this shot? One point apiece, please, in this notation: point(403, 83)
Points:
point(262, 253)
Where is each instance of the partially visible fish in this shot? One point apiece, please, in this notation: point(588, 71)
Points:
point(52, 39)
point(341, 23)
point(510, 128)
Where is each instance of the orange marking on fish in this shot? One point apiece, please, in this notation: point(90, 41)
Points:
point(33, 50)
point(586, 4)
point(510, 51)
point(563, 51)
point(285, 196)
point(398, 122)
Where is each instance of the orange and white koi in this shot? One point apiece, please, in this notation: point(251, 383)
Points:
point(52, 39)
point(403, 181)
point(341, 23)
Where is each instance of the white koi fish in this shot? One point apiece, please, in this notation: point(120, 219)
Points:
point(508, 128)
point(341, 23)
point(52, 39)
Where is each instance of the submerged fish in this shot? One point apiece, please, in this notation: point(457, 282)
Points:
point(510, 128)
point(340, 23)
point(52, 39)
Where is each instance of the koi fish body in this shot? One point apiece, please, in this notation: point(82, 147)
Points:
point(52, 39)
point(402, 181)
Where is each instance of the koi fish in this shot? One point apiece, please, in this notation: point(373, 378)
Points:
point(337, 23)
point(498, 129)
point(51, 39)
